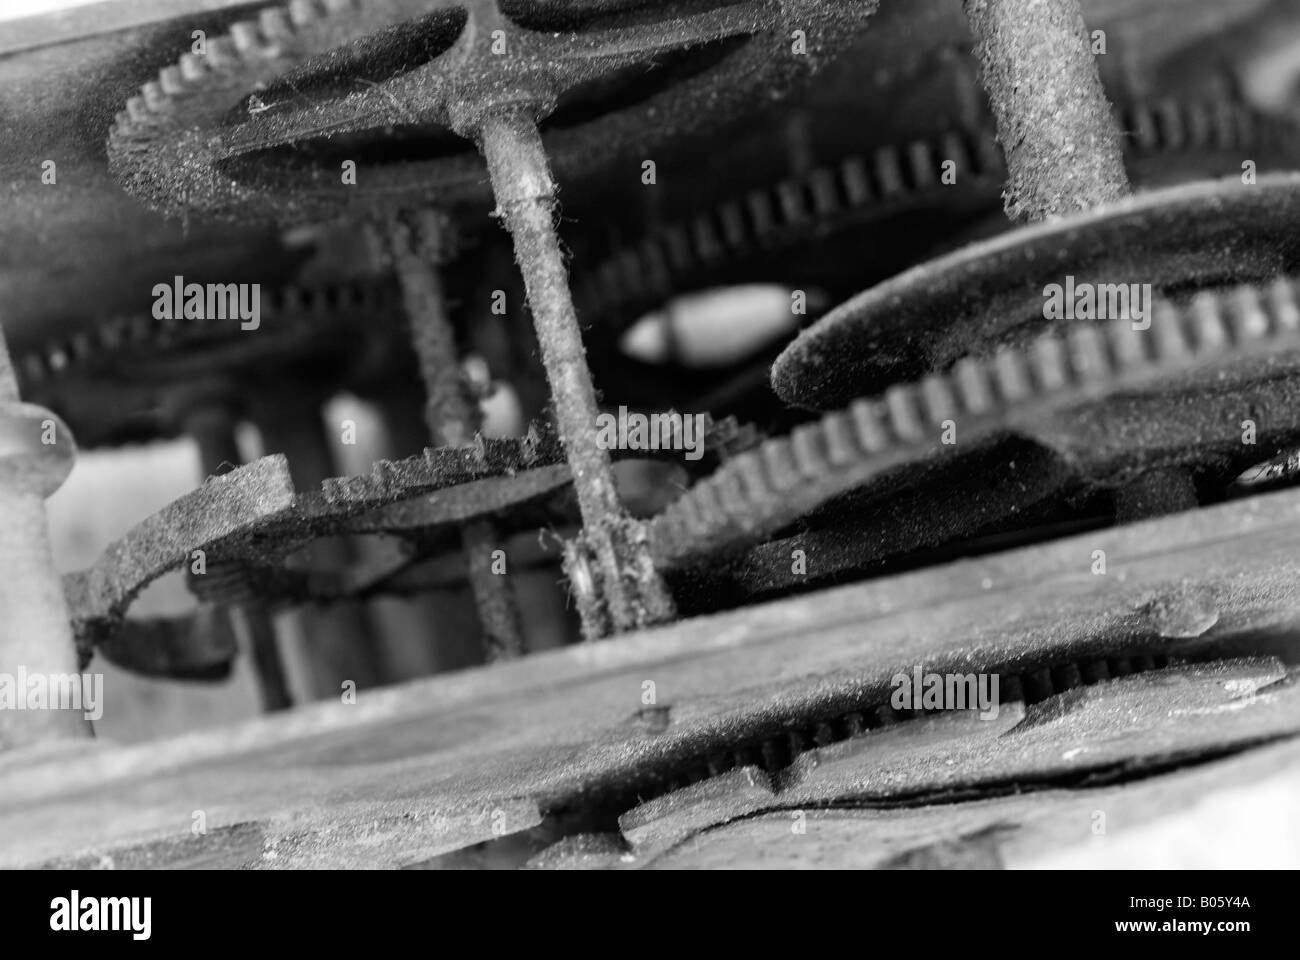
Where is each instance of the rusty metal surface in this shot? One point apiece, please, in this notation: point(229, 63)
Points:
point(990, 494)
point(439, 749)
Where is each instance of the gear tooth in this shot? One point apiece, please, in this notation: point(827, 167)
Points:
point(246, 36)
point(1242, 127)
point(1171, 121)
point(790, 197)
point(826, 201)
point(953, 146)
point(780, 466)
point(1246, 315)
point(1012, 373)
point(137, 111)
point(1051, 371)
point(193, 67)
point(1207, 316)
point(733, 223)
point(974, 391)
point(706, 238)
point(276, 25)
point(655, 264)
point(684, 514)
point(222, 52)
point(631, 279)
point(304, 12)
point(868, 425)
point(743, 485)
point(808, 448)
point(171, 81)
point(838, 431)
point(889, 172)
point(1142, 125)
point(1087, 348)
point(857, 184)
point(939, 401)
point(1128, 346)
point(711, 503)
point(1169, 335)
point(1200, 123)
point(1224, 122)
point(80, 346)
point(154, 97)
point(759, 205)
point(904, 413)
point(34, 367)
point(678, 244)
point(1282, 305)
point(922, 164)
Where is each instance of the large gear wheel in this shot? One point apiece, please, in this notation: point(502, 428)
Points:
point(1177, 239)
point(260, 125)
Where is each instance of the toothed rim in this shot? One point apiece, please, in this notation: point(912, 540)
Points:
point(171, 164)
point(896, 328)
point(635, 277)
point(759, 492)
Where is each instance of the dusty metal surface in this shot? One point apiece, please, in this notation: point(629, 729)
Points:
point(1072, 395)
point(426, 767)
point(1184, 238)
point(431, 78)
point(594, 472)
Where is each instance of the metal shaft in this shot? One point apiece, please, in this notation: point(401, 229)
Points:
point(453, 418)
point(35, 633)
point(1054, 122)
point(340, 640)
point(213, 430)
point(525, 196)
point(1062, 149)
point(618, 588)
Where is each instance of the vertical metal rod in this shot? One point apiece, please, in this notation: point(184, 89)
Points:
point(435, 627)
point(1054, 121)
point(213, 430)
point(35, 631)
point(622, 577)
point(453, 417)
point(525, 196)
point(1062, 147)
point(340, 640)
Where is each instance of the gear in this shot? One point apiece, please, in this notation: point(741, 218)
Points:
point(135, 376)
point(1199, 235)
point(1115, 372)
point(764, 235)
point(260, 126)
point(246, 523)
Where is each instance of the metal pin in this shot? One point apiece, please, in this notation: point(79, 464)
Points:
point(1054, 121)
point(626, 580)
point(452, 416)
